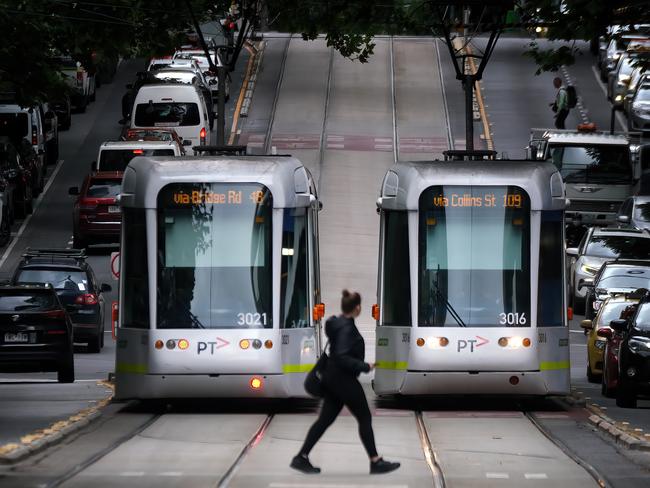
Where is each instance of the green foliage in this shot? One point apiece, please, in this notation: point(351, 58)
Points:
point(90, 31)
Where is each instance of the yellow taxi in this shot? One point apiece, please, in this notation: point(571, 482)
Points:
point(612, 309)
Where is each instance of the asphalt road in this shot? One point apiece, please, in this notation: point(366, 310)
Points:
point(337, 115)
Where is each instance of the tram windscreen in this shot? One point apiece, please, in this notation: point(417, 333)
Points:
point(214, 256)
point(474, 257)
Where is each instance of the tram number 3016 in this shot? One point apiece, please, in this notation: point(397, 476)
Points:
point(512, 318)
point(251, 319)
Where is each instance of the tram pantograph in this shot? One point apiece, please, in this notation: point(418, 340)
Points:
point(219, 278)
point(471, 289)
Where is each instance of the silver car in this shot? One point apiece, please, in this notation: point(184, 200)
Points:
point(635, 212)
point(598, 246)
point(638, 117)
point(619, 79)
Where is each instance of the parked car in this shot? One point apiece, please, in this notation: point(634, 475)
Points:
point(80, 80)
point(616, 48)
point(619, 78)
point(158, 63)
point(76, 286)
point(610, 310)
point(638, 117)
point(63, 109)
point(116, 155)
point(181, 107)
point(30, 124)
point(19, 173)
point(635, 212)
point(638, 77)
point(188, 76)
point(627, 366)
point(615, 278)
point(199, 56)
point(35, 332)
point(597, 246)
point(96, 215)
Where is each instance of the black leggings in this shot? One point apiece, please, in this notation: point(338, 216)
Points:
point(348, 392)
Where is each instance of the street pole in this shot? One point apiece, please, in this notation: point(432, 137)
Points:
point(221, 105)
point(469, 111)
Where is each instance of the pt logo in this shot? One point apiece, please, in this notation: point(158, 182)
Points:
point(212, 345)
point(471, 343)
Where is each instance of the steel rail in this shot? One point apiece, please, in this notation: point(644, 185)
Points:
point(257, 437)
point(323, 137)
point(429, 454)
point(269, 129)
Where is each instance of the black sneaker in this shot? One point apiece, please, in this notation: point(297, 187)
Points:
point(380, 466)
point(303, 465)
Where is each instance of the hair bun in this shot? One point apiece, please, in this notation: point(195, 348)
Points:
point(345, 293)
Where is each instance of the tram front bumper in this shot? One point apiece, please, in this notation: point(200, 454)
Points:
point(464, 383)
point(132, 384)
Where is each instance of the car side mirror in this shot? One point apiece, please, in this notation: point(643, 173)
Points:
point(604, 332)
point(187, 142)
point(587, 324)
point(105, 288)
point(586, 283)
point(572, 251)
point(73, 190)
point(618, 325)
point(623, 219)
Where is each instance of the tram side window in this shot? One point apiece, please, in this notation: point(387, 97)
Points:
point(135, 311)
point(294, 300)
point(550, 308)
point(396, 303)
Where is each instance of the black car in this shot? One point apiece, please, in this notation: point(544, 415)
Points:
point(615, 278)
point(35, 332)
point(18, 176)
point(67, 271)
point(633, 339)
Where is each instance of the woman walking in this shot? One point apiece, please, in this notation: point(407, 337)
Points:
point(345, 364)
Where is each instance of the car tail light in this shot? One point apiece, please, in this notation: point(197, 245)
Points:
point(86, 299)
point(202, 136)
point(138, 151)
point(34, 136)
point(80, 78)
point(55, 314)
point(56, 332)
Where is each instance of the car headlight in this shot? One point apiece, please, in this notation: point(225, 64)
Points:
point(589, 269)
point(638, 344)
point(600, 344)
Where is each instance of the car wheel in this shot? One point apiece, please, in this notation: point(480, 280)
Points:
point(592, 377)
point(65, 374)
point(589, 308)
point(625, 397)
point(95, 344)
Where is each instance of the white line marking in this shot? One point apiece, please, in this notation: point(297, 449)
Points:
point(330, 485)
point(132, 473)
point(9, 381)
point(576, 332)
point(535, 476)
point(5, 255)
point(500, 476)
point(171, 473)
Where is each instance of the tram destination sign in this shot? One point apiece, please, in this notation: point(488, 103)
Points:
point(487, 199)
point(227, 197)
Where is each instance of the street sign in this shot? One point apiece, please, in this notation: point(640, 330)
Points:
point(115, 265)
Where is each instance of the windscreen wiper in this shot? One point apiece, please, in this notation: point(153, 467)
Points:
point(196, 322)
point(450, 309)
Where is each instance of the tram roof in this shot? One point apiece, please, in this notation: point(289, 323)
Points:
point(286, 177)
point(405, 181)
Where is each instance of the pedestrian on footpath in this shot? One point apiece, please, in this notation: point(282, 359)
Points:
point(561, 104)
point(341, 387)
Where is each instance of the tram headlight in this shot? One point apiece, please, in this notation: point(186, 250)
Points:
point(257, 344)
point(437, 342)
point(244, 343)
point(514, 342)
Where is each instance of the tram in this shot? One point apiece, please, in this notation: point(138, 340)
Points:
point(471, 288)
point(219, 278)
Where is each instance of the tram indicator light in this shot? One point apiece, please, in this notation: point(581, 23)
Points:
point(375, 311)
point(420, 342)
point(257, 344)
point(526, 342)
point(244, 343)
point(183, 344)
point(159, 344)
point(268, 343)
point(319, 311)
point(171, 344)
point(256, 383)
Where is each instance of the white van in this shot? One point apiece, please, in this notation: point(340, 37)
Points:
point(181, 107)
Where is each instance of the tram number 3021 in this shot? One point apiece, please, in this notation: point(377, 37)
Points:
point(512, 318)
point(251, 319)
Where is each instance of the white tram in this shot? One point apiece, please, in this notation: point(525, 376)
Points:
point(219, 278)
point(471, 280)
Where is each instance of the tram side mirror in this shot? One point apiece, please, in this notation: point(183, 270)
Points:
point(586, 283)
point(586, 324)
point(618, 325)
point(572, 251)
point(604, 332)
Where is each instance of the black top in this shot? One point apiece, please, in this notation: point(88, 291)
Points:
point(347, 348)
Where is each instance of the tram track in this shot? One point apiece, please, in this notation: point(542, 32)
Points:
point(78, 468)
point(429, 453)
point(268, 138)
point(593, 472)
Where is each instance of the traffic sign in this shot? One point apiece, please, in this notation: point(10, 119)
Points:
point(115, 265)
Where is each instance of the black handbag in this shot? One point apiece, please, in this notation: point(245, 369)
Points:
point(314, 379)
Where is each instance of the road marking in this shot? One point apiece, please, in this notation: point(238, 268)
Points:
point(171, 473)
point(499, 476)
point(50, 180)
point(329, 485)
point(577, 331)
point(132, 473)
point(535, 476)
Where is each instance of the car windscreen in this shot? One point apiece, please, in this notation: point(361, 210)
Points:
point(616, 277)
point(611, 311)
point(26, 301)
point(177, 76)
point(104, 188)
point(642, 321)
point(14, 125)
point(623, 247)
point(643, 95)
point(60, 279)
point(172, 114)
point(592, 163)
point(642, 212)
point(118, 159)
